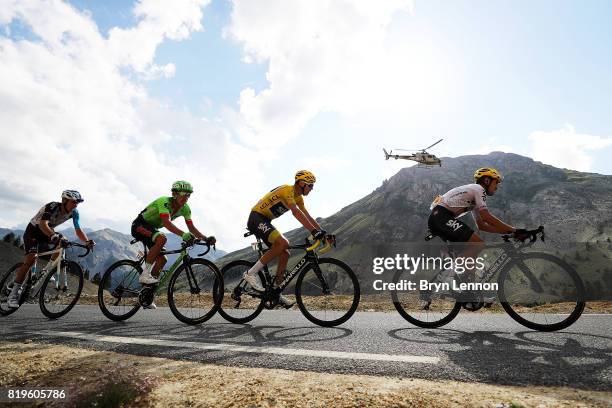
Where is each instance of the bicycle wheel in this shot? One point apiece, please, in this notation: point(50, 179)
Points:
point(118, 290)
point(424, 308)
point(240, 304)
point(5, 290)
point(328, 292)
point(541, 292)
point(194, 291)
point(61, 290)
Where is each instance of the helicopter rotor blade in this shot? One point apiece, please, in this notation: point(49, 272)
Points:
point(428, 147)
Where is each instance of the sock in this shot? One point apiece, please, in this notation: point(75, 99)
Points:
point(147, 267)
point(255, 268)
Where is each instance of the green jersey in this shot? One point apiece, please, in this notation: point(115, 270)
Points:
point(160, 209)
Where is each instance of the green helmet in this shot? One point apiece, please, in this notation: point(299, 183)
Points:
point(182, 186)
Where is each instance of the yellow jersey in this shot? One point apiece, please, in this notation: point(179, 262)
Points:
point(277, 202)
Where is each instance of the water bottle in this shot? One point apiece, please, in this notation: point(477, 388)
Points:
point(33, 275)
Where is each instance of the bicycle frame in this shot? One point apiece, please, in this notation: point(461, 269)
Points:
point(510, 252)
point(310, 258)
point(53, 264)
point(165, 274)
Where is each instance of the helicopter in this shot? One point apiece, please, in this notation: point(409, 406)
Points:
point(423, 158)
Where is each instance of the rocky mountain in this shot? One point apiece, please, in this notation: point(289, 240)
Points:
point(573, 206)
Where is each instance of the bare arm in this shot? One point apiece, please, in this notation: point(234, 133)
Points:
point(194, 230)
point(45, 228)
point(301, 217)
point(489, 223)
point(81, 234)
point(171, 227)
point(311, 219)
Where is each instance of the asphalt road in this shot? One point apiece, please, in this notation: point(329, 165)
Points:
point(488, 348)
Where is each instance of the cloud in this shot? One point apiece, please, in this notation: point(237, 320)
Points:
point(566, 148)
point(75, 113)
point(327, 55)
point(136, 46)
point(320, 163)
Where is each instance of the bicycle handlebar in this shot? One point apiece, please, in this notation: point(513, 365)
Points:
point(207, 245)
point(532, 235)
point(76, 244)
point(308, 246)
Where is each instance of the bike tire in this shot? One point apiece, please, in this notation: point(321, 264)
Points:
point(105, 282)
point(216, 290)
point(577, 308)
point(321, 318)
point(4, 309)
point(75, 270)
point(249, 315)
point(421, 319)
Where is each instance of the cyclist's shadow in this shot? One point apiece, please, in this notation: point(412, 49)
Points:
point(524, 358)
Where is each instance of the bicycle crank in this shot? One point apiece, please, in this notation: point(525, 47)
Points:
point(146, 295)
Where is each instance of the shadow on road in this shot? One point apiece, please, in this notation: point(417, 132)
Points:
point(226, 333)
point(524, 358)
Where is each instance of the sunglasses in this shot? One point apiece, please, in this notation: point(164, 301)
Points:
point(184, 194)
point(309, 185)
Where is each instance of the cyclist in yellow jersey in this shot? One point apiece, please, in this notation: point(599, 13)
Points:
point(273, 205)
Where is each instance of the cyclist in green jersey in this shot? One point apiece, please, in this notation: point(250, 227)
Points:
point(161, 213)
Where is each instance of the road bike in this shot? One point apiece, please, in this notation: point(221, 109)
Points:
point(327, 290)
point(194, 286)
point(537, 289)
point(57, 285)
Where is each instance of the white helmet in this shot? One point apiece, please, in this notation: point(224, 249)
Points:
point(72, 195)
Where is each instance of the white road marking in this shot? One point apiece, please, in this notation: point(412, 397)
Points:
point(402, 358)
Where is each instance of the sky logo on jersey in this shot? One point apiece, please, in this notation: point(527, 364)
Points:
point(454, 224)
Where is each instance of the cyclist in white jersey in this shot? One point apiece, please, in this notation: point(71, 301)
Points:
point(446, 211)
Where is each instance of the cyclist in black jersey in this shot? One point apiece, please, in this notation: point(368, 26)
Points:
point(40, 235)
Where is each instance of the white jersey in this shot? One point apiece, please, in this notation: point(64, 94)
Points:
point(460, 200)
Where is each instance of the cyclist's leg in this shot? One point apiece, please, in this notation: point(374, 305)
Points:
point(279, 249)
point(33, 238)
point(154, 240)
point(153, 257)
point(28, 261)
point(31, 243)
point(263, 229)
point(470, 250)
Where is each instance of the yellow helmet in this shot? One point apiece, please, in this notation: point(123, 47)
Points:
point(488, 171)
point(305, 175)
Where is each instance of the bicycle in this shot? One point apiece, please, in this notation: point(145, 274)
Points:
point(327, 290)
point(195, 286)
point(529, 285)
point(58, 285)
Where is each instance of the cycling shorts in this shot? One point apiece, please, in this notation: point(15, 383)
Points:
point(144, 232)
point(34, 240)
point(261, 226)
point(442, 223)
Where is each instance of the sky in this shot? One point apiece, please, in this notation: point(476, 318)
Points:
point(118, 99)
